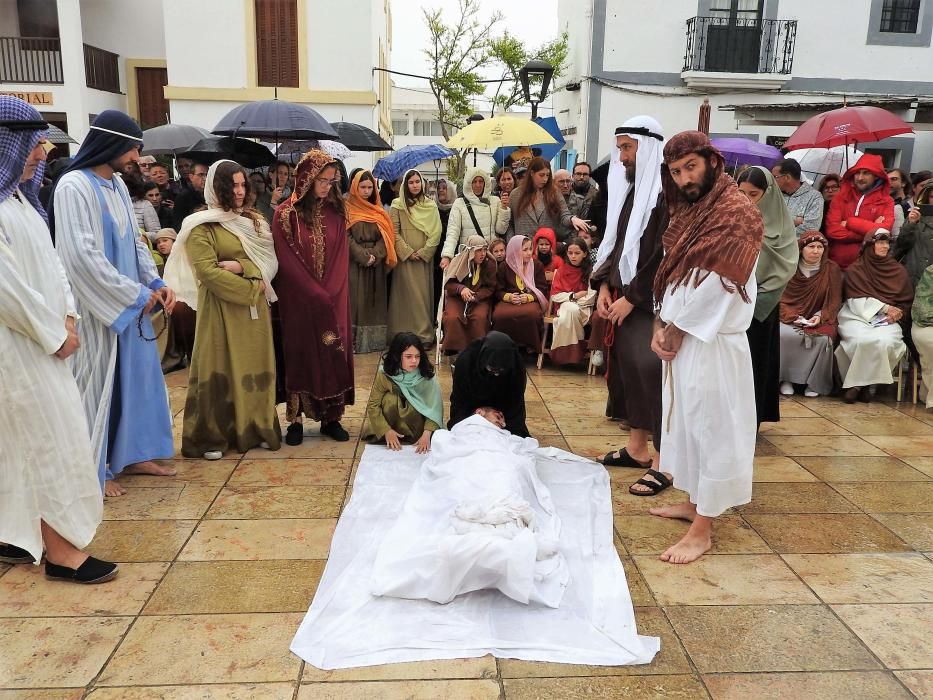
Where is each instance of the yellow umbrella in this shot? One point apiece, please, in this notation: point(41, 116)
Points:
point(500, 131)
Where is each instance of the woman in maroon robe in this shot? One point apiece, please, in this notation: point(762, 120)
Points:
point(310, 235)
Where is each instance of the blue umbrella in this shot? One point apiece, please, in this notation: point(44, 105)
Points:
point(275, 120)
point(393, 166)
point(738, 151)
point(548, 150)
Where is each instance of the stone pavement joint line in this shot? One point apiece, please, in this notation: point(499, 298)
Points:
point(822, 587)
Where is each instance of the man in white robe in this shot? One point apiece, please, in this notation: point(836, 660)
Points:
point(117, 287)
point(706, 285)
point(49, 494)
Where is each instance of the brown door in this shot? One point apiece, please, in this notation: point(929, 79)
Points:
point(153, 107)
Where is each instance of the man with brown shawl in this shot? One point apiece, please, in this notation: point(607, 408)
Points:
point(706, 284)
point(625, 270)
point(310, 235)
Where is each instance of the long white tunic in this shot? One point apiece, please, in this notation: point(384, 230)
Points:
point(47, 471)
point(106, 300)
point(708, 425)
point(867, 354)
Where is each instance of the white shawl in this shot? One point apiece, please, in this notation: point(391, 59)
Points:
point(179, 272)
point(647, 188)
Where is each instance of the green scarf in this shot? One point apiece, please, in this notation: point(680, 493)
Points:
point(922, 310)
point(423, 215)
point(777, 262)
point(423, 394)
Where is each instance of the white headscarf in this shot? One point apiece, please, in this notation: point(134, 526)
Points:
point(179, 272)
point(647, 188)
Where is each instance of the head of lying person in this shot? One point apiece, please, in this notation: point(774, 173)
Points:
point(493, 415)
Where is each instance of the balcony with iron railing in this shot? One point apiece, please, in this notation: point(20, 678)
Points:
point(101, 69)
point(30, 60)
point(739, 52)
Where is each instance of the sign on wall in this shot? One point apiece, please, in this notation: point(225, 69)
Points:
point(39, 99)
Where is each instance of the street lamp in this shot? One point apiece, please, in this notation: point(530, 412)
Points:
point(474, 118)
point(532, 72)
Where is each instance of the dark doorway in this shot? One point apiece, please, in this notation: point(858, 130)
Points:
point(152, 105)
point(733, 37)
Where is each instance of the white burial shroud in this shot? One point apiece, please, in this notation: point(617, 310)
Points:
point(416, 529)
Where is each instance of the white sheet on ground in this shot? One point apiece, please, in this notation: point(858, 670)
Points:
point(565, 496)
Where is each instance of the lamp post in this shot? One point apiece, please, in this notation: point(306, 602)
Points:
point(532, 72)
point(474, 118)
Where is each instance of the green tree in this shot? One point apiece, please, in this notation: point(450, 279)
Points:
point(457, 54)
point(510, 54)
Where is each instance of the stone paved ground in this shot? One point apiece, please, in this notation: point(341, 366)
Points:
point(822, 587)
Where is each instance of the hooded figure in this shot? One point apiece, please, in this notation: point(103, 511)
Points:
point(475, 214)
point(862, 207)
point(550, 260)
point(490, 372)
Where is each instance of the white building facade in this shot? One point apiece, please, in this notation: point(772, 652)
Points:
point(765, 65)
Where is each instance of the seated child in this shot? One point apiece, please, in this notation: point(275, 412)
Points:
point(497, 251)
point(573, 304)
point(405, 402)
point(545, 247)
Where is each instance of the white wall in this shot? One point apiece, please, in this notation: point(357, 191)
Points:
point(204, 42)
point(339, 56)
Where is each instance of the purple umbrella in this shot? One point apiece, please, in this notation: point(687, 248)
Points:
point(747, 152)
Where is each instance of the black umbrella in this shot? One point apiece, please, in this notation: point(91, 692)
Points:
point(247, 153)
point(357, 137)
point(275, 120)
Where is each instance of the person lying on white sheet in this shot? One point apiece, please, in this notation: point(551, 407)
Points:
point(477, 517)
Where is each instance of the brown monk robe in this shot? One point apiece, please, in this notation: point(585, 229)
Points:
point(519, 312)
point(465, 321)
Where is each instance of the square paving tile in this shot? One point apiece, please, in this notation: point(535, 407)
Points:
point(905, 577)
point(638, 589)
point(57, 652)
point(682, 687)
point(402, 690)
point(901, 446)
point(292, 472)
point(256, 502)
point(624, 503)
point(239, 691)
point(140, 540)
point(780, 469)
point(920, 683)
point(824, 446)
point(194, 472)
point(916, 529)
point(887, 469)
point(921, 464)
point(43, 694)
point(802, 426)
point(313, 447)
point(743, 639)
point(439, 669)
point(895, 498)
point(796, 408)
point(250, 540)
point(25, 592)
point(854, 685)
point(650, 621)
point(163, 503)
point(725, 579)
point(898, 634)
point(206, 649)
point(649, 534)
point(825, 533)
point(795, 498)
point(202, 587)
point(899, 425)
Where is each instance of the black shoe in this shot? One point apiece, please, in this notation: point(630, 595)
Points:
point(10, 554)
point(866, 394)
point(295, 434)
point(851, 395)
point(91, 571)
point(335, 430)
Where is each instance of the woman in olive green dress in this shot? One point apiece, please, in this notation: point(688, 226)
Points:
point(405, 402)
point(222, 265)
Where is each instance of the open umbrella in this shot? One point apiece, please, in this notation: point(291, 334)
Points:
point(816, 162)
point(500, 131)
point(275, 120)
point(171, 139)
point(747, 152)
point(394, 165)
point(840, 127)
point(247, 153)
point(357, 137)
point(548, 150)
point(57, 136)
point(294, 150)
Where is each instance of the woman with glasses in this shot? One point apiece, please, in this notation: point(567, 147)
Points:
point(829, 188)
point(310, 234)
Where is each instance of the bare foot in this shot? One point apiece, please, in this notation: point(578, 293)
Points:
point(681, 511)
point(690, 548)
point(112, 488)
point(150, 468)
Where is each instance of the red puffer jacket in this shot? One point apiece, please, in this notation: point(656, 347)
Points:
point(853, 214)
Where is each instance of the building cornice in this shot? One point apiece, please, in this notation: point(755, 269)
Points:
point(254, 94)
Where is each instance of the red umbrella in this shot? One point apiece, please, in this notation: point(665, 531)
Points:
point(840, 127)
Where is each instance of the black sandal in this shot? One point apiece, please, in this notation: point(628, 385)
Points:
point(623, 460)
point(660, 483)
